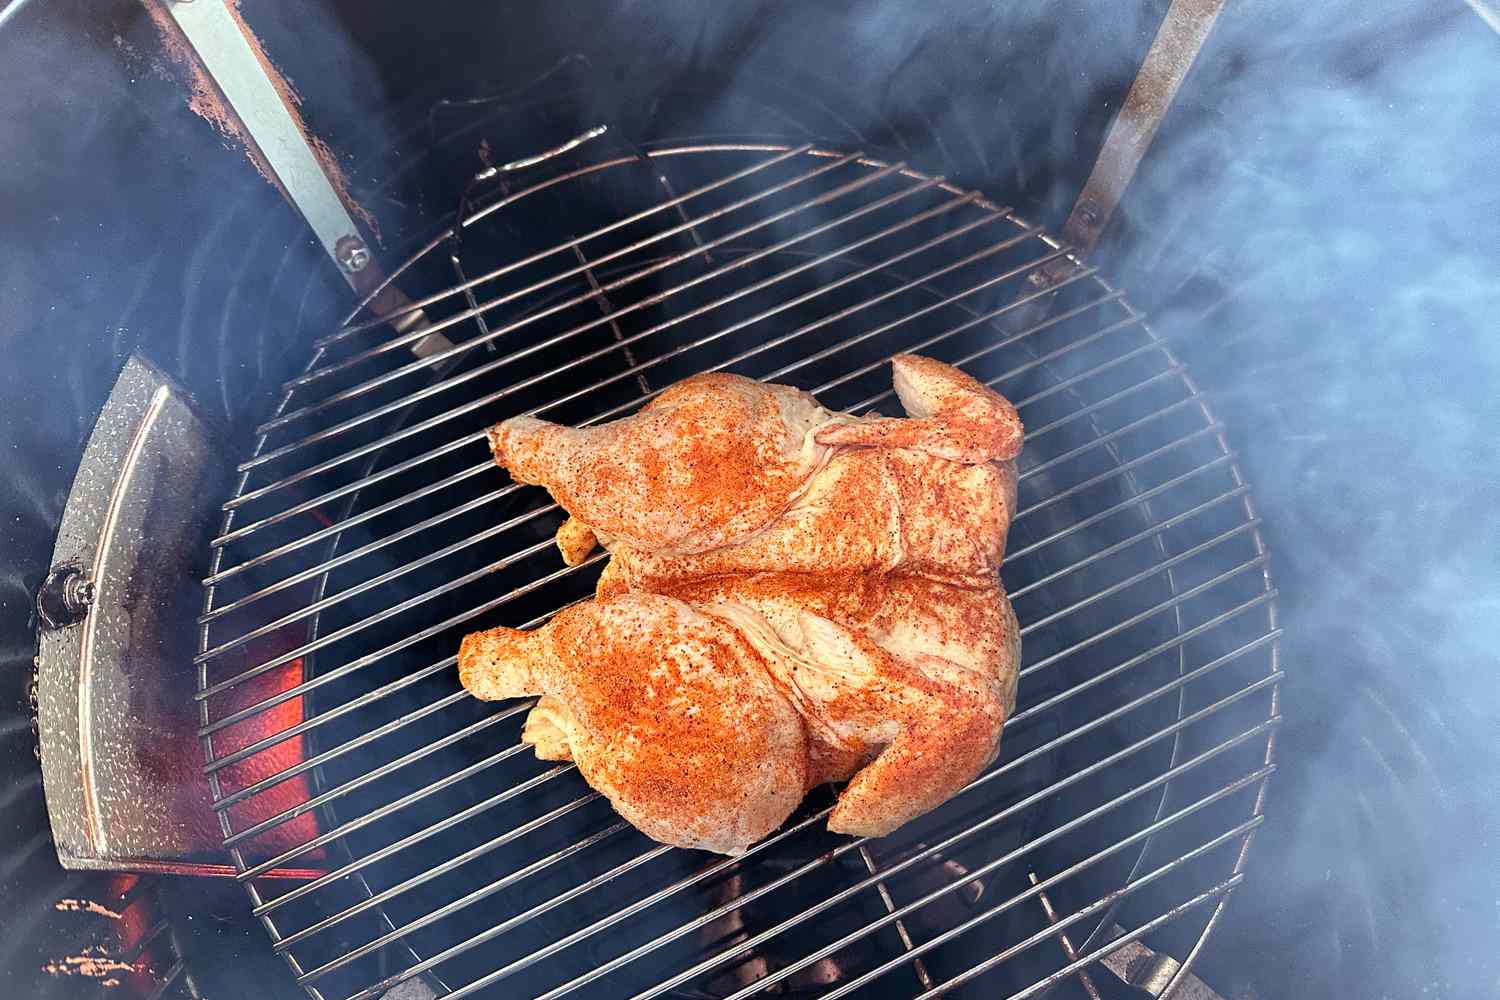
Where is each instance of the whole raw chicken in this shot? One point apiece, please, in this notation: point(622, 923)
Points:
point(794, 596)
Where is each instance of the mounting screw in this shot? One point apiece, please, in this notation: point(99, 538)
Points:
point(351, 253)
point(1089, 213)
point(66, 597)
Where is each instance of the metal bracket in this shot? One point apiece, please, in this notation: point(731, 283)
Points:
point(1177, 42)
point(1152, 972)
point(226, 54)
point(120, 757)
point(107, 626)
point(1134, 965)
point(218, 41)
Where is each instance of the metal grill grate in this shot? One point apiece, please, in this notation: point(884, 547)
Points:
point(370, 531)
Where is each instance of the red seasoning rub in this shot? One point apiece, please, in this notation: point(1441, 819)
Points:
point(794, 596)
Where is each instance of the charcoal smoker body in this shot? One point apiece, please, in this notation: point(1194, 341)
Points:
point(134, 228)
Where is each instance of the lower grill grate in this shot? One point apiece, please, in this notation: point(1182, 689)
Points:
point(370, 531)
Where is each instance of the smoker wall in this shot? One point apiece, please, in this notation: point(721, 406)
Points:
point(1315, 227)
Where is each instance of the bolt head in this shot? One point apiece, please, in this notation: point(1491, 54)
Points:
point(78, 593)
point(66, 596)
point(352, 254)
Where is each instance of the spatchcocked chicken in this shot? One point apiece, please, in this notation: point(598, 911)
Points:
point(794, 596)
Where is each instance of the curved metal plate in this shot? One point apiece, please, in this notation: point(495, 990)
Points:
point(107, 684)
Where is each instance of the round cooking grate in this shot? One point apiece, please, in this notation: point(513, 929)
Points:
point(370, 531)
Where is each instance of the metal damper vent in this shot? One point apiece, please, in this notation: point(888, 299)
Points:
point(370, 531)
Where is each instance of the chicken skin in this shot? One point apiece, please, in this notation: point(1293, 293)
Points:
point(794, 596)
point(669, 713)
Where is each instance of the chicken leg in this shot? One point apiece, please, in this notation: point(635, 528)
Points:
point(711, 459)
point(669, 713)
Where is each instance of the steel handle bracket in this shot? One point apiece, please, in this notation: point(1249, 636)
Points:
point(1176, 46)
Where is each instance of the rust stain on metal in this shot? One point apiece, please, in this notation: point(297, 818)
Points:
point(207, 102)
point(91, 963)
point(1173, 50)
point(84, 906)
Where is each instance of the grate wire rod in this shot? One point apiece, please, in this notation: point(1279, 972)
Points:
point(1136, 619)
point(1175, 684)
point(824, 859)
point(371, 696)
point(360, 588)
point(1214, 797)
point(408, 464)
point(378, 580)
point(396, 846)
point(659, 265)
point(1123, 505)
point(334, 494)
point(816, 324)
point(312, 503)
point(396, 805)
point(859, 886)
point(333, 753)
point(1099, 334)
point(910, 955)
point(1051, 321)
point(270, 780)
point(477, 502)
point(567, 570)
point(467, 813)
point(1241, 830)
point(1047, 258)
point(589, 885)
point(344, 669)
point(343, 558)
point(1206, 896)
point(413, 529)
point(1145, 574)
point(1128, 466)
point(1103, 366)
point(477, 851)
point(349, 329)
point(1174, 371)
point(344, 631)
point(1112, 435)
point(354, 784)
point(1125, 543)
point(327, 715)
point(405, 533)
point(623, 343)
point(1168, 646)
point(387, 507)
point(613, 346)
point(852, 890)
point(437, 357)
